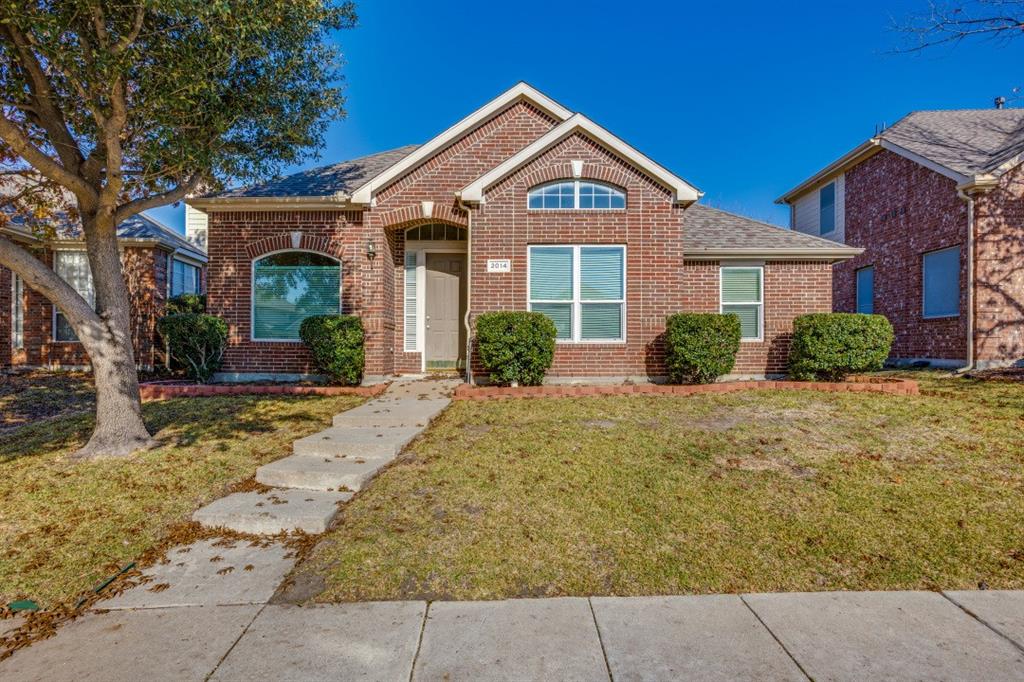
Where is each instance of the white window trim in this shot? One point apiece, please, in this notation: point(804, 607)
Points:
point(252, 291)
point(959, 291)
point(760, 304)
point(856, 288)
point(577, 302)
point(17, 303)
point(576, 195)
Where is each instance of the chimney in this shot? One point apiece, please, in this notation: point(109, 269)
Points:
point(1000, 102)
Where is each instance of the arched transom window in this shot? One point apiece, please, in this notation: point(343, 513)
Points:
point(576, 194)
point(436, 232)
point(288, 287)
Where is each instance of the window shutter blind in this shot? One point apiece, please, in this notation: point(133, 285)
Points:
point(560, 314)
point(286, 295)
point(942, 283)
point(601, 321)
point(551, 274)
point(73, 268)
point(749, 318)
point(601, 273)
point(741, 285)
point(410, 301)
point(866, 290)
point(827, 208)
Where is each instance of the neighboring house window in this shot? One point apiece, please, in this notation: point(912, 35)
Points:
point(290, 286)
point(576, 194)
point(866, 290)
point(581, 288)
point(184, 278)
point(941, 277)
point(827, 206)
point(742, 294)
point(17, 313)
point(73, 268)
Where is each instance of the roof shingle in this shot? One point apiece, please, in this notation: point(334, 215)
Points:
point(712, 229)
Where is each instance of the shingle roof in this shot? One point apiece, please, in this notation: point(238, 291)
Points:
point(712, 229)
point(324, 181)
point(967, 141)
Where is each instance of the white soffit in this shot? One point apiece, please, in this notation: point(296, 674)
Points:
point(683, 191)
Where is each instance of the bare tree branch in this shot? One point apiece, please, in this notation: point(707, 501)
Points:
point(177, 194)
point(949, 24)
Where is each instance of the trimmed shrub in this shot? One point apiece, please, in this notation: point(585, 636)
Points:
point(700, 347)
point(516, 348)
point(832, 346)
point(195, 342)
point(187, 304)
point(336, 342)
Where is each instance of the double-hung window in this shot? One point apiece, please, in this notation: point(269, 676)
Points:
point(17, 313)
point(743, 295)
point(184, 278)
point(290, 286)
point(582, 289)
point(941, 283)
point(866, 290)
point(73, 268)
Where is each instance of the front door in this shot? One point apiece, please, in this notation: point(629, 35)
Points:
point(445, 307)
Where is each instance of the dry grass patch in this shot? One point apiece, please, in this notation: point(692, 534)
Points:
point(65, 524)
point(753, 491)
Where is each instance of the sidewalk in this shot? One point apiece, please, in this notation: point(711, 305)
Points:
point(827, 635)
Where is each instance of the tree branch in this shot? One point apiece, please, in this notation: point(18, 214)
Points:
point(20, 144)
point(138, 205)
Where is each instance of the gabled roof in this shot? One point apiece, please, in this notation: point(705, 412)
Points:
point(682, 191)
point(973, 147)
point(711, 233)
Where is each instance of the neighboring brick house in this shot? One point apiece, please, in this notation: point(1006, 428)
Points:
point(521, 205)
point(937, 203)
point(158, 263)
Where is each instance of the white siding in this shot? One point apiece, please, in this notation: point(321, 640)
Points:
point(195, 226)
point(807, 217)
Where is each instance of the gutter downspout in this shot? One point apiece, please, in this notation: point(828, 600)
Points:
point(469, 289)
point(970, 283)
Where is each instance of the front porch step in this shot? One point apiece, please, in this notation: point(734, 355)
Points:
point(356, 441)
point(277, 511)
point(407, 412)
point(307, 472)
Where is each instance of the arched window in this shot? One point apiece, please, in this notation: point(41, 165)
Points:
point(576, 194)
point(288, 287)
point(436, 232)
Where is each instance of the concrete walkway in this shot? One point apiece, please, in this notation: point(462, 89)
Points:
point(820, 636)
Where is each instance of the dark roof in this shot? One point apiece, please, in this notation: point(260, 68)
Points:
point(706, 228)
point(324, 181)
point(967, 141)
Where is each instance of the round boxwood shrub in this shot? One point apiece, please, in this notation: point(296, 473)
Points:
point(336, 342)
point(516, 348)
point(831, 346)
point(186, 303)
point(195, 342)
point(700, 347)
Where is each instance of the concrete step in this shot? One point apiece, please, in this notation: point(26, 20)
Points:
point(270, 513)
point(340, 473)
point(355, 441)
point(393, 413)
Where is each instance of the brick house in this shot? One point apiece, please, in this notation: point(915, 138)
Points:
point(157, 261)
point(937, 203)
point(520, 205)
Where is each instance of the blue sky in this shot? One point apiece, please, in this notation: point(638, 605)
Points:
point(743, 100)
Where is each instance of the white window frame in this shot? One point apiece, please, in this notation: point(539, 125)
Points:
point(199, 276)
point(924, 280)
point(760, 304)
point(54, 310)
point(577, 302)
point(17, 306)
point(252, 290)
point(576, 195)
point(856, 288)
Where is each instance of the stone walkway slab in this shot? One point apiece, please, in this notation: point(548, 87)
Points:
point(179, 645)
point(1002, 610)
point(321, 473)
point(712, 637)
point(886, 635)
point(409, 412)
point(356, 441)
point(205, 574)
point(371, 641)
point(523, 639)
point(310, 511)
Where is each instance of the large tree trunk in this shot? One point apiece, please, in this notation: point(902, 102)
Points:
point(120, 429)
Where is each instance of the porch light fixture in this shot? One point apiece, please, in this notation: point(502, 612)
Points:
point(371, 249)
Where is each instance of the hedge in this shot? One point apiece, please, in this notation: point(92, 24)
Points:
point(700, 347)
point(195, 342)
point(336, 343)
point(831, 346)
point(516, 348)
point(186, 303)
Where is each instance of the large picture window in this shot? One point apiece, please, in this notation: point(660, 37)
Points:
point(576, 194)
point(582, 289)
point(184, 278)
point(290, 286)
point(941, 275)
point(743, 295)
point(73, 268)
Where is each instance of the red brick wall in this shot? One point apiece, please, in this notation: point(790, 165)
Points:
point(791, 289)
point(999, 270)
point(899, 210)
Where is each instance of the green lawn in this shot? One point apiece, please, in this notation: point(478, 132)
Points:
point(66, 524)
point(753, 491)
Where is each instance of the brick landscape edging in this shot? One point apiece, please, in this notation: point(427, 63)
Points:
point(157, 391)
point(853, 385)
